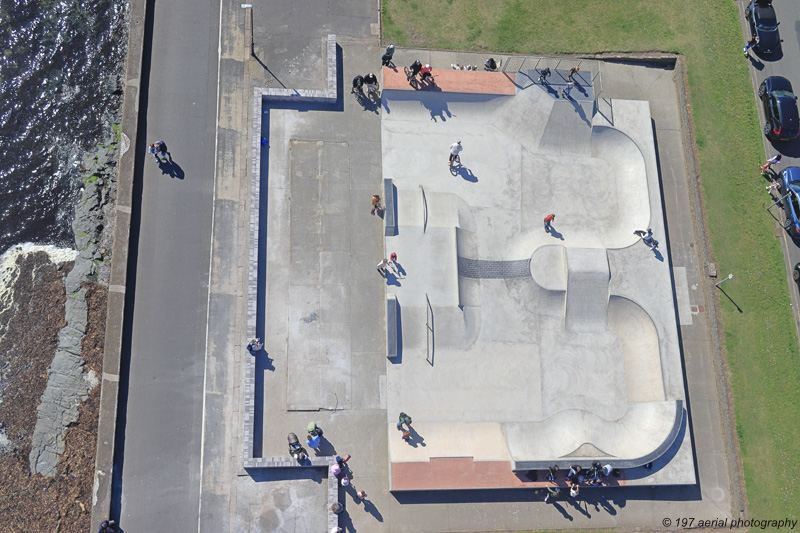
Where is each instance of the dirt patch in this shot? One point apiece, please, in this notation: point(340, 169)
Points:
point(33, 502)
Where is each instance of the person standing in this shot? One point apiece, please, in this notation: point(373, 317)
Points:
point(552, 492)
point(386, 59)
point(572, 72)
point(543, 75)
point(750, 44)
point(153, 150)
point(382, 267)
point(162, 149)
point(361, 495)
point(548, 221)
point(455, 149)
point(376, 203)
point(574, 490)
point(565, 91)
point(771, 161)
point(403, 419)
point(358, 83)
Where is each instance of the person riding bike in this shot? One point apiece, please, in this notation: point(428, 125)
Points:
point(371, 80)
point(358, 83)
point(413, 70)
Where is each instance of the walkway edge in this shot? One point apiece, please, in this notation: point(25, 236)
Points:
point(109, 392)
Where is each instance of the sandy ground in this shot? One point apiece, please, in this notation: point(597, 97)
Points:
point(34, 502)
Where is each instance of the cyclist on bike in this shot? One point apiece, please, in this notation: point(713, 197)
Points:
point(413, 70)
point(358, 83)
point(371, 80)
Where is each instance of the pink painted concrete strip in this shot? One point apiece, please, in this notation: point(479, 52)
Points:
point(455, 81)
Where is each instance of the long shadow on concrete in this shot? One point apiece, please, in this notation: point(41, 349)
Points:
point(139, 147)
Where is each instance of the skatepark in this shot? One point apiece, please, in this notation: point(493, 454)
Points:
point(519, 348)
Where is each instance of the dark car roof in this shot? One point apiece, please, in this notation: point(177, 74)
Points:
point(778, 82)
point(790, 121)
point(765, 12)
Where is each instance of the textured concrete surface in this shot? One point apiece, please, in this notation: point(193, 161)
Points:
point(556, 381)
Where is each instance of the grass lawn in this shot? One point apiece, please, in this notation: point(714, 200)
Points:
point(761, 344)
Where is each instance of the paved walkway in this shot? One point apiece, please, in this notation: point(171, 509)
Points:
point(166, 347)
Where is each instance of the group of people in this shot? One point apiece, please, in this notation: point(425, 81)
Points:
point(594, 476)
point(370, 80)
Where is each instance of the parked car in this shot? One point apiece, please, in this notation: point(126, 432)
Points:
point(796, 272)
point(763, 24)
point(790, 179)
point(780, 109)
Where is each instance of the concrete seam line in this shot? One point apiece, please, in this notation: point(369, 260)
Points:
point(210, 272)
point(124, 209)
point(116, 288)
point(110, 377)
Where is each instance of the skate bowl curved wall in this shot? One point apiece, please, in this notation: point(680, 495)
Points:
point(644, 433)
point(631, 201)
point(641, 354)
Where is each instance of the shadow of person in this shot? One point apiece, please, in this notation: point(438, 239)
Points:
point(563, 511)
point(577, 505)
point(658, 255)
point(555, 234)
point(263, 360)
point(579, 110)
point(371, 509)
point(391, 279)
point(466, 174)
point(171, 168)
point(757, 63)
point(400, 269)
point(415, 439)
point(325, 447)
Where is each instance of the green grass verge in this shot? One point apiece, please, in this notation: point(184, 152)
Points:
point(761, 343)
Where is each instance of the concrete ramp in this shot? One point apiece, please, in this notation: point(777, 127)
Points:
point(644, 433)
point(569, 129)
point(587, 289)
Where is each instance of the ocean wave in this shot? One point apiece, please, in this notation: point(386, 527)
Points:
point(9, 271)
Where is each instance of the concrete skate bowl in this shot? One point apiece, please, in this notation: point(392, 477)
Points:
point(644, 380)
point(644, 433)
point(627, 200)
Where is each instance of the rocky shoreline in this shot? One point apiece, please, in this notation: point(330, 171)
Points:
point(49, 404)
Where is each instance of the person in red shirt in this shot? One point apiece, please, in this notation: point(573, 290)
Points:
point(425, 72)
point(548, 220)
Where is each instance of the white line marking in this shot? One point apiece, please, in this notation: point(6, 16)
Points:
point(210, 271)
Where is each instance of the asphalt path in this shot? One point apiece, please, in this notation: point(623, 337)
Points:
point(785, 63)
point(159, 488)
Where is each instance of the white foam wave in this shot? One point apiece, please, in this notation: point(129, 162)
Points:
point(9, 272)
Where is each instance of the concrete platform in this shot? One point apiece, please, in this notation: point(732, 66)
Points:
point(521, 347)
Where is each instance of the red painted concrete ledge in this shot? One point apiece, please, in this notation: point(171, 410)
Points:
point(454, 473)
point(454, 81)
